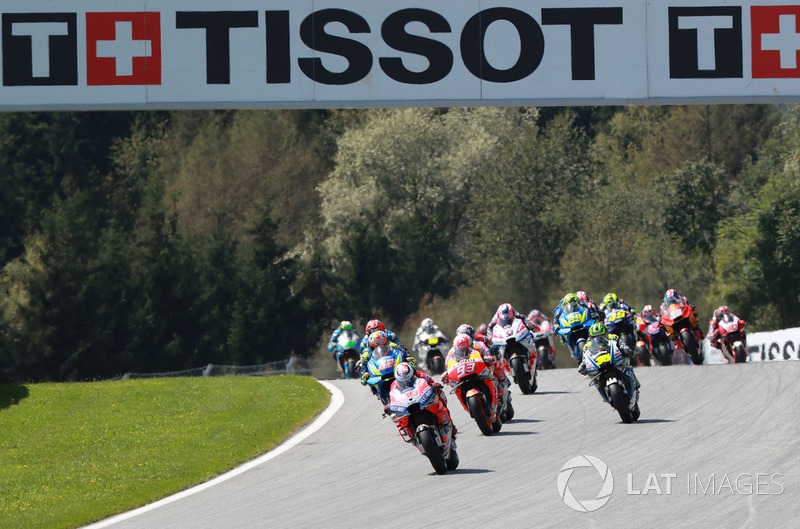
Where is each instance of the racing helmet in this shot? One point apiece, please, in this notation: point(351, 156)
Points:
point(723, 310)
point(647, 311)
point(568, 299)
point(378, 338)
point(405, 375)
point(583, 296)
point(462, 344)
point(505, 312)
point(483, 328)
point(671, 296)
point(467, 329)
point(427, 325)
point(535, 316)
point(611, 300)
point(374, 325)
point(597, 329)
point(346, 326)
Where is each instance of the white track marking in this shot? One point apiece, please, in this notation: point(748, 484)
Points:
point(337, 400)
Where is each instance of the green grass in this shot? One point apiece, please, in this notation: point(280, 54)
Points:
point(75, 453)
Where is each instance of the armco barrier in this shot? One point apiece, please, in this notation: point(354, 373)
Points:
point(292, 366)
point(769, 346)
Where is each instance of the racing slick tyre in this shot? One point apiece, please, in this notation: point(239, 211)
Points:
point(432, 451)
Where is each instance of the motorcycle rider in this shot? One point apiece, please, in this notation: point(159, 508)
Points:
point(648, 315)
point(671, 297)
point(589, 303)
point(598, 332)
point(405, 376)
point(465, 347)
point(536, 319)
point(343, 326)
point(377, 325)
point(612, 302)
point(428, 328)
point(713, 326)
point(507, 313)
point(377, 339)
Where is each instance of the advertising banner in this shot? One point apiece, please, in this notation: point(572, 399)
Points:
point(357, 53)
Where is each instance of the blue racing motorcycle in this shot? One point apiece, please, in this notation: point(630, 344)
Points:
point(573, 327)
point(381, 370)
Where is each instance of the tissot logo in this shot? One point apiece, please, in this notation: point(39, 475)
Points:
point(123, 49)
point(40, 49)
point(705, 42)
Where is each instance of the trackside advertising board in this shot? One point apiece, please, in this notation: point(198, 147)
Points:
point(93, 54)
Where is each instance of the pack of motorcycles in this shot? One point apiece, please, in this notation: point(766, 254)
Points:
point(421, 414)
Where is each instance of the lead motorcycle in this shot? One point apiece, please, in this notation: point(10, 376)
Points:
point(732, 338)
point(680, 322)
point(477, 390)
point(612, 375)
point(516, 344)
point(347, 351)
point(423, 420)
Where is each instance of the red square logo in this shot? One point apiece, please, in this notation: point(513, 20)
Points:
point(123, 49)
point(775, 41)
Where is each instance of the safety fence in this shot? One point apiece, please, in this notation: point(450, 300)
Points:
point(291, 366)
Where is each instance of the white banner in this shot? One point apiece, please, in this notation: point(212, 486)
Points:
point(340, 53)
point(762, 347)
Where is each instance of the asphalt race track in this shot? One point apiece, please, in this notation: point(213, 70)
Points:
point(716, 446)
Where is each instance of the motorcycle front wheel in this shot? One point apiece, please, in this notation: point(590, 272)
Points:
point(520, 376)
point(436, 365)
point(479, 413)
point(664, 354)
point(690, 346)
point(350, 369)
point(428, 442)
point(620, 403)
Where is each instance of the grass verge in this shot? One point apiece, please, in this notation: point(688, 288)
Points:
point(71, 454)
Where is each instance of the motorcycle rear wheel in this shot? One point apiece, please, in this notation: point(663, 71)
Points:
point(479, 413)
point(452, 460)
point(690, 347)
point(437, 365)
point(740, 354)
point(508, 413)
point(643, 356)
point(520, 376)
point(350, 369)
point(664, 354)
point(620, 403)
point(432, 452)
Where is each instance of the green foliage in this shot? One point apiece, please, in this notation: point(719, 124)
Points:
point(77, 453)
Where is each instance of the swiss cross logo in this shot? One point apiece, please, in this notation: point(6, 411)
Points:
point(776, 41)
point(123, 49)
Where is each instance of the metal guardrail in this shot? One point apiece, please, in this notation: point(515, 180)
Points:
point(292, 366)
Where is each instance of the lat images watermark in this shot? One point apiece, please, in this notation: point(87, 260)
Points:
point(606, 489)
point(657, 484)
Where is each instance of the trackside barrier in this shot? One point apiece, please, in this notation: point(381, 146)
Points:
point(292, 366)
point(772, 346)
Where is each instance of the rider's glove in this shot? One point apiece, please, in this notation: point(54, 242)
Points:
point(365, 357)
point(445, 380)
point(411, 360)
point(364, 378)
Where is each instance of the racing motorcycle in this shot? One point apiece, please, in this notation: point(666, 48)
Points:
point(620, 322)
point(660, 344)
point(542, 341)
point(612, 376)
point(680, 322)
point(574, 325)
point(516, 344)
point(381, 370)
point(477, 390)
point(431, 349)
point(642, 350)
point(347, 351)
point(423, 420)
point(732, 338)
